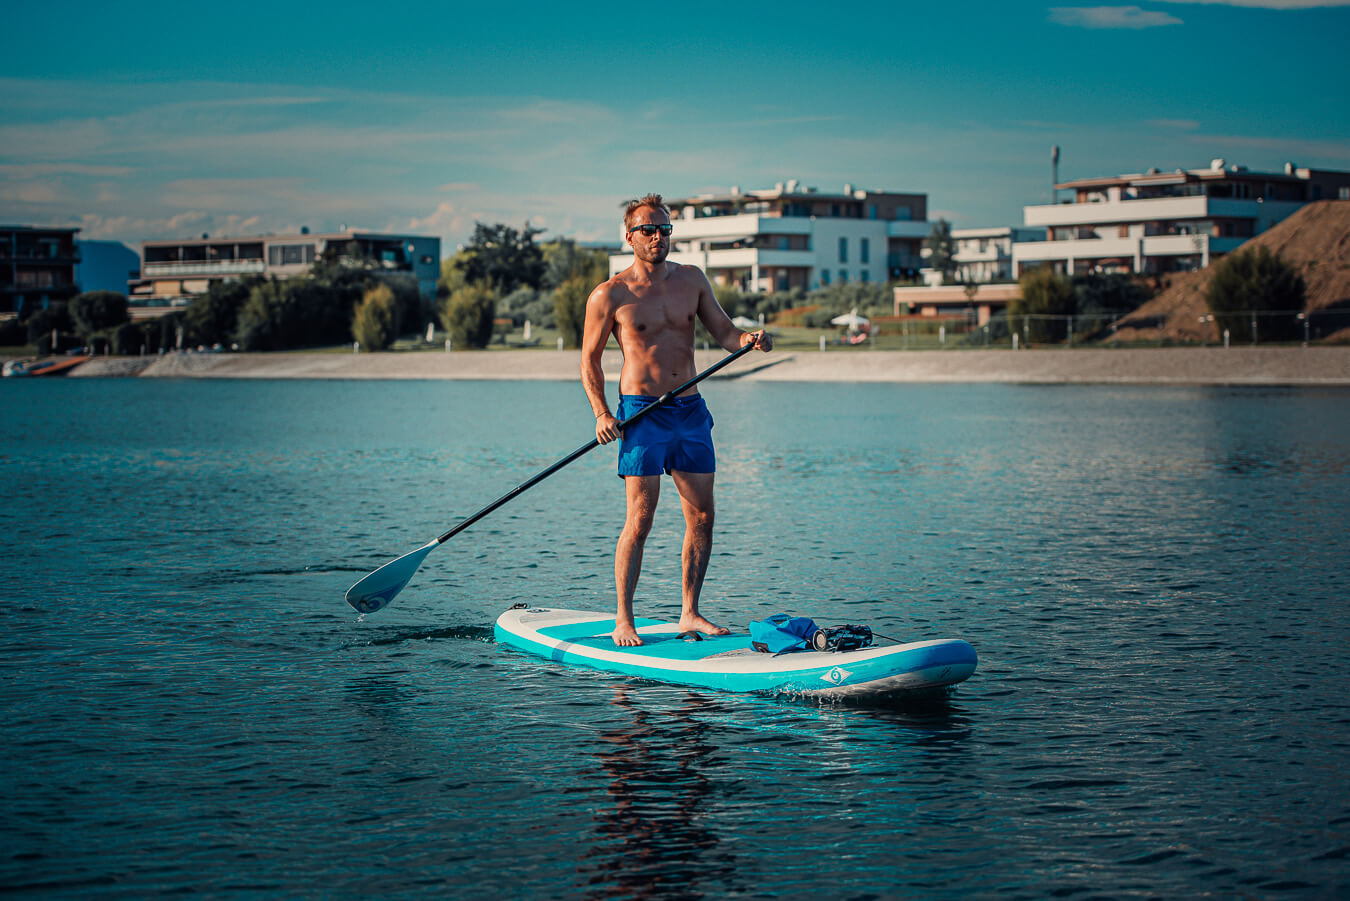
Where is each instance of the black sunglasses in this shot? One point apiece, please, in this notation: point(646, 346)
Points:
point(650, 230)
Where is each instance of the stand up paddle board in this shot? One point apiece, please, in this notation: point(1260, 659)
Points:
point(729, 663)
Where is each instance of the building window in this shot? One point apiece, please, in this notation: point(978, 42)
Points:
point(825, 277)
point(871, 211)
point(782, 242)
point(290, 254)
point(843, 250)
point(864, 276)
point(843, 276)
point(1343, 192)
point(864, 250)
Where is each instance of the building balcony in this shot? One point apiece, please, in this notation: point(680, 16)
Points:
point(1102, 248)
point(739, 258)
point(727, 228)
point(1153, 209)
point(988, 255)
point(24, 257)
point(220, 268)
point(898, 228)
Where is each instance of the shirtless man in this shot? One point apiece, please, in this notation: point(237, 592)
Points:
point(651, 308)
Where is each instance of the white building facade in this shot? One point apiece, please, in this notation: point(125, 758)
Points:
point(986, 254)
point(1156, 222)
point(796, 237)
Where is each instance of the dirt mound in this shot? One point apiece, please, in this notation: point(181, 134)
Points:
point(1316, 240)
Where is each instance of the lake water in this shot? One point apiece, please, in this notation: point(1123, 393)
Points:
point(1155, 580)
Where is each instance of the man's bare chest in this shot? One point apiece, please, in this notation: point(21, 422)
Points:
point(655, 313)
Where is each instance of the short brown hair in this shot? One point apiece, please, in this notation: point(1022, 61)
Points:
point(654, 201)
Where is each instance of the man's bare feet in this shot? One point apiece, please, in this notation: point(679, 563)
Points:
point(701, 624)
point(625, 636)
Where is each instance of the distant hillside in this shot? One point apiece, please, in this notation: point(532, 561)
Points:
point(1316, 239)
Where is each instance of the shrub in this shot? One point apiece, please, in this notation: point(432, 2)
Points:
point(468, 313)
point(126, 339)
point(43, 321)
point(13, 333)
point(1044, 293)
point(517, 304)
point(569, 309)
point(373, 322)
point(1254, 281)
point(263, 317)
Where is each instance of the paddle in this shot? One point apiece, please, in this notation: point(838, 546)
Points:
point(376, 590)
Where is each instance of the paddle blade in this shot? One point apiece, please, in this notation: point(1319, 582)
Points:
point(375, 591)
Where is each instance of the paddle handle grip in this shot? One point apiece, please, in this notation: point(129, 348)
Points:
point(593, 444)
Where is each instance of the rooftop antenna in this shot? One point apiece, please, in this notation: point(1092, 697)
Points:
point(1054, 174)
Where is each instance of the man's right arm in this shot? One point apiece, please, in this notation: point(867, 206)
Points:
point(599, 323)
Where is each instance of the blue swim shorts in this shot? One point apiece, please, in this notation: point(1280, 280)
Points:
point(675, 436)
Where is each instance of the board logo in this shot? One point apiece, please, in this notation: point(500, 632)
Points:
point(837, 675)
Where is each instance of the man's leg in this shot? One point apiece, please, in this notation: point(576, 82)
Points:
point(696, 499)
point(642, 493)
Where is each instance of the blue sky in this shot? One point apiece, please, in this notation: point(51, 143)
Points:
point(162, 120)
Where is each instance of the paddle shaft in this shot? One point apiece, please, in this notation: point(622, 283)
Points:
point(592, 444)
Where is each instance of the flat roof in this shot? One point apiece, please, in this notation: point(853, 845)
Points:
point(1179, 176)
point(39, 228)
point(784, 192)
point(288, 236)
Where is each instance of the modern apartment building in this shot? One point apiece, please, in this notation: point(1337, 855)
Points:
point(986, 254)
point(173, 271)
point(796, 237)
point(1155, 221)
point(37, 267)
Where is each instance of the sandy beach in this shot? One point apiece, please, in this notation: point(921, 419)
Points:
point(1185, 366)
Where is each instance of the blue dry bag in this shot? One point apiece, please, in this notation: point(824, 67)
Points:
point(781, 633)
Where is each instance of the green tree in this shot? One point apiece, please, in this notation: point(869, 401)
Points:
point(564, 259)
point(569, 309)
point(212, 317)
point(94, 311)
point(1101, 297)
point(941, 247)
point(42, 323)
point(468, 313)
point(374, 319)
point(499, 255)
point(1253, 281)
point(1044, 293)
point(265, 316)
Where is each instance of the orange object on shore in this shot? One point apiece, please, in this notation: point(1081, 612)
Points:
point(55, 366)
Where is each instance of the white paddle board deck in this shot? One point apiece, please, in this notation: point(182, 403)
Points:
point(729, 663)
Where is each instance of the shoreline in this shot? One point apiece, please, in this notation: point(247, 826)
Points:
point(1310, 366)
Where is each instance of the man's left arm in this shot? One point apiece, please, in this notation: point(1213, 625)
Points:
point(719, 324)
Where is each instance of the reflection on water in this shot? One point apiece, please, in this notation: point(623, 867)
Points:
point(653, 837)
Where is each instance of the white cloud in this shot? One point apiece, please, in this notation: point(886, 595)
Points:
point(1267, 4)
point(1276, 146)
point(444, 220)
point(37, 170)
point(1131, 17)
